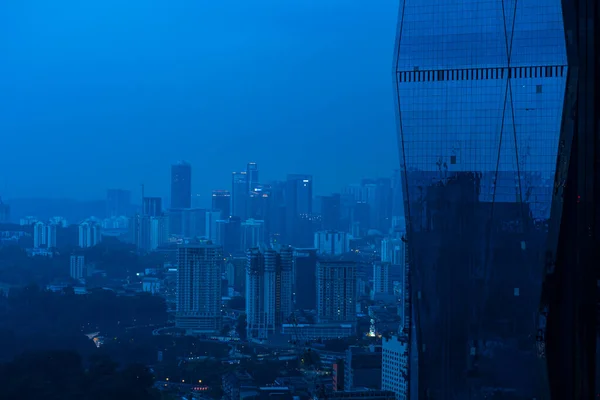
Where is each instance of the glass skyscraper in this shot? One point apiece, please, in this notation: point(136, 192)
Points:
point(481, 86)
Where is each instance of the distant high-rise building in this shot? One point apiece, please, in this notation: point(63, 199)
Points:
point(199, 287)
point(269, 301)
point(239, 194)
point(336, 291)
point(332, 242)
point(229, 234)
point(44, 235)
point(149, 233)
point(51, 235)
point(238, 265)
point(77, 267)
point(210, 230)
point(221, 201)
point(152, 206)
point(253, 233)
point(181, 185)
point(89, 234)
point(395, 366)
point(39, 234)
point(393, 250)
point(331, 212)
point(360, 219)
point(305, 278)
point(118, 202)
point(298, 210)
point(252, 176)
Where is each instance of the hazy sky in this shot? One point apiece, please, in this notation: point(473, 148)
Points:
point(97, 94)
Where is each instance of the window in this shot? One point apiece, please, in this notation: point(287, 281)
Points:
point(538, 89)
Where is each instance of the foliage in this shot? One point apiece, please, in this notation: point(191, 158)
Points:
point(62, 375)
point(241, 326)
point(31, 318)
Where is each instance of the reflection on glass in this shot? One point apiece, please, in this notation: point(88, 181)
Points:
point(480, 93)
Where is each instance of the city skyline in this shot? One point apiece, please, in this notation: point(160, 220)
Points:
point(112, 107)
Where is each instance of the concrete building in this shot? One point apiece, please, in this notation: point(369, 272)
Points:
point(394, 366)
point(181, 185)
point(89, 234)
point(39, 234)
point(77, 267)
point(305, 278)
point(221, 201)
point(44, 235)
point(393, 250)
point(51, 235)
point(362, 368)
point(253, 233)
point(332, 243)
point(336, 291)
point(388, 282)
point(199, 287)
point(151, 285)
point(148, 233)
point(269, 300)
point(211, 224)
point(152, 206)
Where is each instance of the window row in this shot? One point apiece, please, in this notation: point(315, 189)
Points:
point(470, 74)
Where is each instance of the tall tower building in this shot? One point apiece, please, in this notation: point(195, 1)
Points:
point(252, 175)
point(51, 229)
point(305, 278)
point(253, 234)
point(298, 209)
point(239, 194)
point(77, 267)
point(152, 206)
point(221, 201)
point(89, 234)
point(269, 300)
point(39, 234)
point(480, 93)
point(336, 291)
point(199, 287)
point(181, 185)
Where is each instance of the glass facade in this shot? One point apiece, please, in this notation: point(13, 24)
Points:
point(481, 87)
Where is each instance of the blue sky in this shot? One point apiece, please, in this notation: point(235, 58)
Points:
point(97, 94)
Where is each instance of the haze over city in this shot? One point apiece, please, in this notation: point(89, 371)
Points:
point(108, 93)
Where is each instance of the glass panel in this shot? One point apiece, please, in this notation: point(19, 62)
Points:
point(478, 154)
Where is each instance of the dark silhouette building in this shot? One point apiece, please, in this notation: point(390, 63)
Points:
point(298, 210)
point(239, 194)
point(181, 185)
point(152, 206)
point(480, 93)
point(221, 201)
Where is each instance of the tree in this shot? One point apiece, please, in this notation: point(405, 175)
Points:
point(225, 330)
point(61, 375)
point(241, 326)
